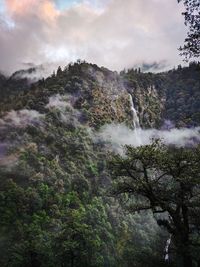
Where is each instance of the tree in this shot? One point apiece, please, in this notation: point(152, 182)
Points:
point(59, 71)
point(165, 180)
point(25, 226)
point(40, 227)
point(85, 235)
point(191, 47)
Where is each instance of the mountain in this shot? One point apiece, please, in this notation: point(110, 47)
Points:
point(56, 205)
point(172, 95)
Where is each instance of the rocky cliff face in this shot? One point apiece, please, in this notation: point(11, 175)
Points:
point(149, 105)
point(172, 96)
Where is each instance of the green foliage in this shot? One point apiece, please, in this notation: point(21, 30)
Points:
point(48, 228)
point(54, 203)
point(191, 47)
point(164, 180)
point(50, 215)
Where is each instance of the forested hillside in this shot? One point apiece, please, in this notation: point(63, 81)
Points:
point(172, 95)
point(57, 206)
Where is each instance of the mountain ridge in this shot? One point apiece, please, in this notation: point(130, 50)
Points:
point(155, 95)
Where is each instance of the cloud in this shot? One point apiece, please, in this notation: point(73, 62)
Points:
point(34, 72)
point(3, 150)
point(115, 34)
point(68, 115)
point(120, 135)
point(20, 118)
point(59, 102)
point(152, 66)
point(24, 8)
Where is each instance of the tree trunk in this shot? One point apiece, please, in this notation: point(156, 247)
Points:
point(72, 259)
point(33, 260)
point(187, 260)
point(182, 236)
point(184, 254)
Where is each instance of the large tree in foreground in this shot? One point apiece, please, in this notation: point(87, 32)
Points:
point(165, 180)
point(191, 47)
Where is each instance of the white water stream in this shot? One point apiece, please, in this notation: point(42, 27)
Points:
point(167, 248)
point(136, 121)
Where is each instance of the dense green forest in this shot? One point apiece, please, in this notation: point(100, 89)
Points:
point(61, 203)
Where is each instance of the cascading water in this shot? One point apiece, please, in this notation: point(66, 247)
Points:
point(168, 243)
point(167, 249)
point(136, 121)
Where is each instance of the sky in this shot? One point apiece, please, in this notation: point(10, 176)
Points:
point(116, 34)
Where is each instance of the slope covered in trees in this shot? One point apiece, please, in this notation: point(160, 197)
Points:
point(101, 94)
point(56, 206)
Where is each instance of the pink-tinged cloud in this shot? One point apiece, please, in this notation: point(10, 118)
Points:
point(20, 7)
point(45, 9)
point(121, 34)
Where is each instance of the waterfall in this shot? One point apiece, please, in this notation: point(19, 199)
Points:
point(167, 248)
point(136, 121)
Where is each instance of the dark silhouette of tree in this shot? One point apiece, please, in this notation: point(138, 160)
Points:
point(59, 71)
point(165, 180)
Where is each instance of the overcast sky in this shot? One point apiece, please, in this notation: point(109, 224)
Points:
point(113, 33)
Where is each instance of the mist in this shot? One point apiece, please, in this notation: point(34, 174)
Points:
point(20, 118)
point(58, 101)
point(119, 135)
point(68, 114)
